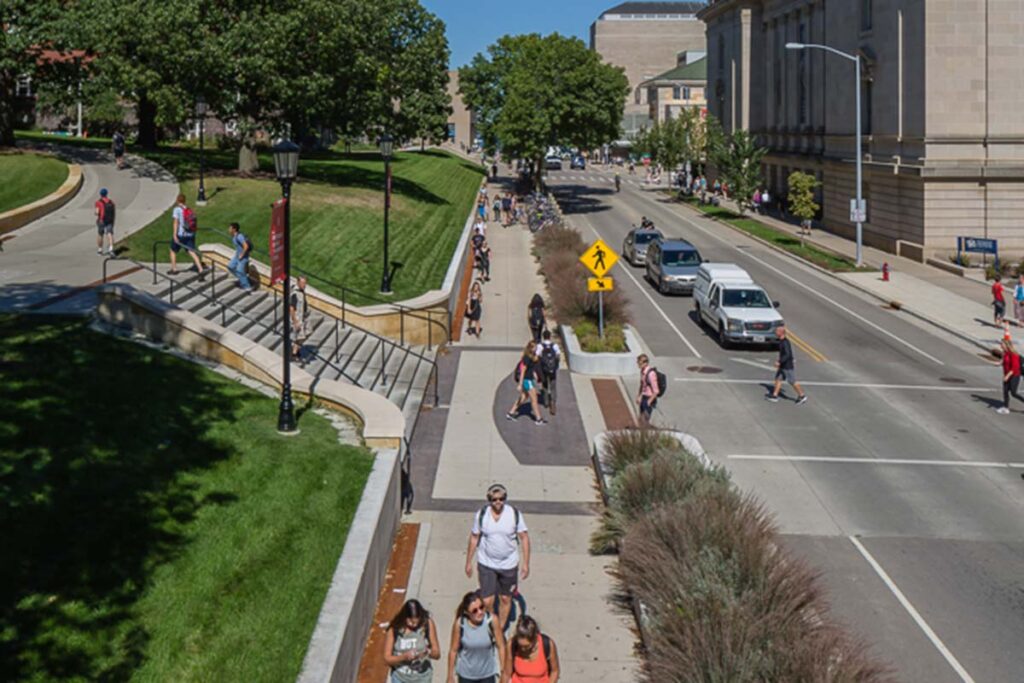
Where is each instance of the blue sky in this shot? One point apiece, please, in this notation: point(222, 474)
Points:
point(475, 24)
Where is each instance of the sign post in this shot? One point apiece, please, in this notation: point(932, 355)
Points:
point(599, 259)
point(277, 239)
point(977, 245)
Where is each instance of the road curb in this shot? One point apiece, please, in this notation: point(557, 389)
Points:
point(892, 303)
point(23, 215)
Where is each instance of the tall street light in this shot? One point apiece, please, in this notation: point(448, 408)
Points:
point(860, 185)
point(286, 163)
point(387, 147)
point(201, 109)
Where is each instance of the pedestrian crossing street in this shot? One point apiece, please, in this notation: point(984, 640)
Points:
point(582, 176)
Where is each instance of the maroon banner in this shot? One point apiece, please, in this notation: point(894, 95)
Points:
point(277, 237)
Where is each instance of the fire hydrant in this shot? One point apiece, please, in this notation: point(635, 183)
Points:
point(885, 272)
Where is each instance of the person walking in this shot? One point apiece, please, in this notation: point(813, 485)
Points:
point(532, 656)
point(477, 648)
point(527, 377)
point(496, 209)
point(239, 263)
point(105, 212)
point(483, 259)
point(650, 389)
point(298, 309)
point(183, 235)
point(766, 197)
point(481, 209)
point(506, 209)
point(1011, 377)
point(998, 299)
point(1018, 301)
point(410, 643)
point(785, 369)
point(475, 309)
point(117, 146)
point(495, 540)
point(550, 357)
point(535, 317)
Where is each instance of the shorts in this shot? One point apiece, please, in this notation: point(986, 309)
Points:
point(787, 375)
point(999, 307)
point(647, 405)
point(104, 228)
point(527, 384)
point(496, 581)
point(184, 242)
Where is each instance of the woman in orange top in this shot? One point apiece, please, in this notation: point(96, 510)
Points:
point(533, 657)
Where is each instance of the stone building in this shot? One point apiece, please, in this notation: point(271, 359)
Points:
point(644, 38)
point(942, 109)
point(461, 131)
point(677, 89)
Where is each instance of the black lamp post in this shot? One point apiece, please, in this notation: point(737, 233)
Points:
point(286, 162)
point(387, 146)
point(201, 109)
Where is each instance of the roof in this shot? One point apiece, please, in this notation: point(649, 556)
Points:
point(656, 8)
point(694, 71)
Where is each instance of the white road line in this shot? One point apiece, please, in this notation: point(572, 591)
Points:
point(643, 290)
point(815, 292)
point(760, 366)
point(878, 461)
point(841, 385)
point(939, 645)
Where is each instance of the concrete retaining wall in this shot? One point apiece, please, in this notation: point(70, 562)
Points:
point(23, 215)
point(609, 363)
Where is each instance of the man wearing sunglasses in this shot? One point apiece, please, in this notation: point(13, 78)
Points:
point(498, 532)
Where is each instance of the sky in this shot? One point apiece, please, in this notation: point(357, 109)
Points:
point(475, 24)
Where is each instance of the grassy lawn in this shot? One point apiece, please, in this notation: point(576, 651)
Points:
point(818, 257)
point(157, 534)
point(24, 178)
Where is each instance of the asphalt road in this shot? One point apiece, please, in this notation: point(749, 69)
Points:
point(897, 479)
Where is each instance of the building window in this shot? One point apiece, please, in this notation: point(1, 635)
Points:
point(686, 92)
point(721, 54)
point(677, 92)
point(778, 89)
point(23, 87)
point(865, 117)
point(652, 94)
point(865, 14)
point(801, 76)
point(636, 97)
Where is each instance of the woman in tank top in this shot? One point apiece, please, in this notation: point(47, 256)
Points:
point(478, 645)
point(410, 644)
point(532, 657)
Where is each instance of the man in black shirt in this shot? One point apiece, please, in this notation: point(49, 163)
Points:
point(785, 371)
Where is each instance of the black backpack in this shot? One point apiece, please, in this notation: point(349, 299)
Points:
point(536, 317)
point(483, 511)
point(549, 358)
point(109, 211)
point(662, 380)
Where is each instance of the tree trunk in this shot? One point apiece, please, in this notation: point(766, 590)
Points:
point(6, 109)
point(147, 122)
point(248, 160)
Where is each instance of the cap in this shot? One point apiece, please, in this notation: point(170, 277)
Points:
point(103, 192)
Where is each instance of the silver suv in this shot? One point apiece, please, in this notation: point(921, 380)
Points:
point(634, 247)
point(672, 265)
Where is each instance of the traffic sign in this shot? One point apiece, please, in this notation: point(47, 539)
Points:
point(858, 214)
point(600, 284)
point(599, 258)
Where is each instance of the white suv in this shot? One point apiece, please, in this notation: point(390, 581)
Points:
point(740, 311)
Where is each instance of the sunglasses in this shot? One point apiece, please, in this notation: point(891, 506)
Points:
point(475, 610)
point(498, 499)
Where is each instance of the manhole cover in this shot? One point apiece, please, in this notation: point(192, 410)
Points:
point(952, 380)
point(964, 431)
point(704, 369)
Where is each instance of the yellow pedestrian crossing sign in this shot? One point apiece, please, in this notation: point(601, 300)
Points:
point(599, 258)
point(600, 284)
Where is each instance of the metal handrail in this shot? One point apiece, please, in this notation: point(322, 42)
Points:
point(273, 327)
point(347, 292)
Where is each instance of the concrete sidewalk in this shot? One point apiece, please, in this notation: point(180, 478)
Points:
point(51, 257)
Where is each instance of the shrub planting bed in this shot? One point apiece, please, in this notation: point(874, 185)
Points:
point(723, 601)
point(558, 249)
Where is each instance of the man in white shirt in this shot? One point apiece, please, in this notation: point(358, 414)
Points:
point(498, 531)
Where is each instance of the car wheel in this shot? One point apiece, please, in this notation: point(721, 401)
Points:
point(661, 286)
point(722, 339)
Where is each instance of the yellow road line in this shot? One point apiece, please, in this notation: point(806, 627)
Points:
point(807, 348)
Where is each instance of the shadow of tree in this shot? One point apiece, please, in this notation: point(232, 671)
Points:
point(97, 450)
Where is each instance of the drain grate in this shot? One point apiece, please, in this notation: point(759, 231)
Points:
point(704, 369)
point(952, 380)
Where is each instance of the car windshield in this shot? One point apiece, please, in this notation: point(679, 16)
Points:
point(680, 257)
point(643, 237)
point(745, 298)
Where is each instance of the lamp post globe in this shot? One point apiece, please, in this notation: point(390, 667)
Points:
point(286, 164)
point(387, 148)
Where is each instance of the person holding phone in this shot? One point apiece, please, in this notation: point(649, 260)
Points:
point(411, 642)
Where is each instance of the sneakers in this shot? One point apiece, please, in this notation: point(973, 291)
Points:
point(541, 421)
point(509, 416)
point(1003, 410)
point(773, 399)
point(99, 252)
point(802, 400)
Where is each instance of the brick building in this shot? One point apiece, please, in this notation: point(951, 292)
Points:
point(677, 89)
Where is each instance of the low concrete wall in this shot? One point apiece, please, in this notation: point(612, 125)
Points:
point(946, 266)
point(910, 250)
point(23, 215)
point(347, 613)
point(601, 363)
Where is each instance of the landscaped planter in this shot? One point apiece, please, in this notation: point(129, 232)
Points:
point(607, 363)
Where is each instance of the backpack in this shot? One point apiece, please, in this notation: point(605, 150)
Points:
point(662, 380)
point(483, 511)
point(188, 218)
point(490, 631)
point(518, 371)
point(548, 358)
point(536, 317)
point(109, 211)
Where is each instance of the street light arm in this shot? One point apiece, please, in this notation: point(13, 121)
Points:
point(803, 46)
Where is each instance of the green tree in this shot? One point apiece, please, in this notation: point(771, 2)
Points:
point(738, 161)
point(801, 199)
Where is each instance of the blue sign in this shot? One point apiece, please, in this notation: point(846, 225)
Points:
point(977, 245)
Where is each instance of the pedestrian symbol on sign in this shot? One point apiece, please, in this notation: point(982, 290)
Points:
point(599, 258)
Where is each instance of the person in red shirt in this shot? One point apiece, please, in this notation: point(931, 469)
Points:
point(104, 210)
point(1011, 376)
point(998, 300)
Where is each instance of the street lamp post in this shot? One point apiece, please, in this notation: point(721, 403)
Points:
point(201, 109)
point(860, 183)
point(387, 146)
point(286, 163)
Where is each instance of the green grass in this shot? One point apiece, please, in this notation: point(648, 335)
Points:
point(591, 342)
point(819, 257)
point(24, 178)
point(155, 526)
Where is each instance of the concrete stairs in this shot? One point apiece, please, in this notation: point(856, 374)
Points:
point(333, 350)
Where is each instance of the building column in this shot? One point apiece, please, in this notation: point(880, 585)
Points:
point(745, 46)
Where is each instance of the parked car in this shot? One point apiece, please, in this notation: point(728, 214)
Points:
point(634, 247)
point(731, 303)
point(553, 163)
point(578, 162)
point(671, 264)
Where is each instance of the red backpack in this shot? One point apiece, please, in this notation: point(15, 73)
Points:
point(188, 217)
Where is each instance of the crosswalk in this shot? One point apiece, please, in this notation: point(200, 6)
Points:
point(635, 181)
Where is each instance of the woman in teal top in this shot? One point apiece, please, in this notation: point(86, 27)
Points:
point(478, 645)
point(410, 644)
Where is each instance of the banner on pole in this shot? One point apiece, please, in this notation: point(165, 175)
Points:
point(277, 238)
